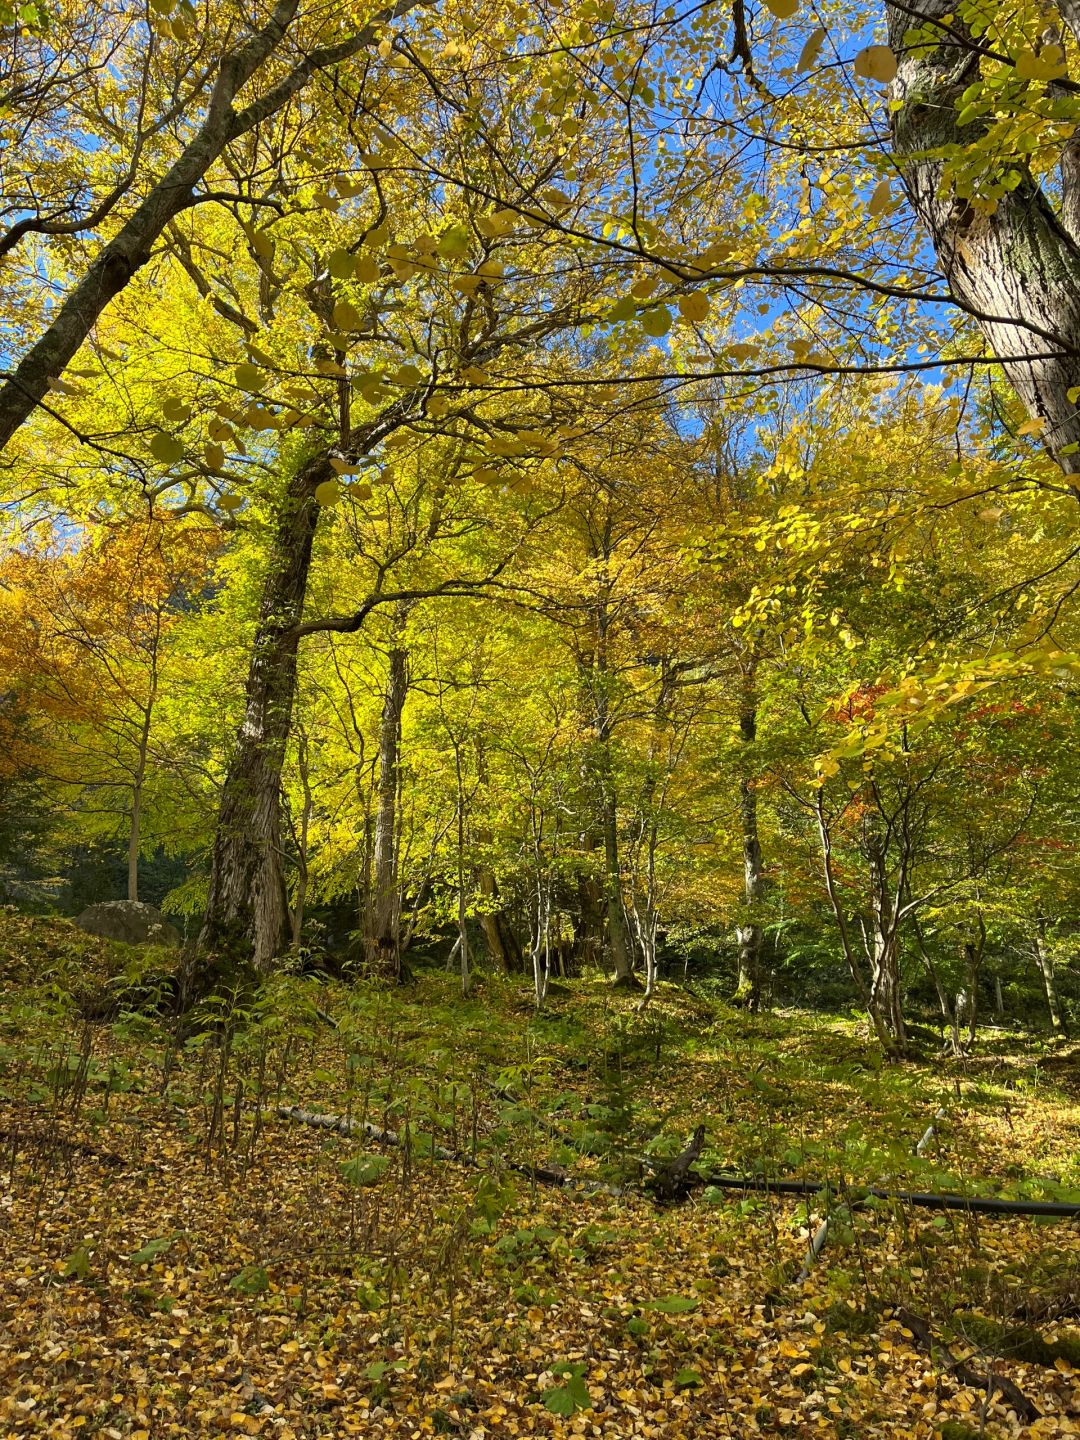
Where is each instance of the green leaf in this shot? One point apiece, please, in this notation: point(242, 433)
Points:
point(672, 1304)
point(340, 264)
point(656, 322)
point(364, 1169)
point(624, 309)
point(568, 1398)
point(378, 1368)
point(454, 242)
point(251, 1280)
point(77, 1265)
point(686, 1378)
point(151, 1250)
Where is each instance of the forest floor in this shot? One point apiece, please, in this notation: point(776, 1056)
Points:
point(177, 1258)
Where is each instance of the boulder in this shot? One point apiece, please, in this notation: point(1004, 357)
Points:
point(131, 921)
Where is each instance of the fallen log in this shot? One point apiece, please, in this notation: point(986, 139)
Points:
point(542, 1174)
point(964, 1372)
point(66, 1145)
point(672, 1181)
point(549, 1175)
point(979, 1204)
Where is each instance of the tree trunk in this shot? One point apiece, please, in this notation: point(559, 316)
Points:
point(886, 996)
point(618, 940)
point(1018, 269)
point(589, 919)
point(133, 843)
point(384, 941)
point(1045, 961)
point(138, 781)
point(301, 837)
point(502, 943)
point(948, 1010)
point(247, 908)
point(750, 934)
point(541, 944)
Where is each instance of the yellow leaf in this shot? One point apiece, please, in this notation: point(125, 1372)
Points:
point(880, 198)
point(876, 62)
point(367, 269)
point(215, 456)
point(695, 306)
point(1033, 427)
point(229, 501)
point(808, 56)
point(327, 493)
point(1048, 64)
point(249, 377)
point(347, 317)
point(783, 9)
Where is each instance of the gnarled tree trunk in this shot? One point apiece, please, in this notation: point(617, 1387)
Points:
point(247, 909)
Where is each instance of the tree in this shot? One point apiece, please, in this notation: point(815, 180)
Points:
point(87, 638)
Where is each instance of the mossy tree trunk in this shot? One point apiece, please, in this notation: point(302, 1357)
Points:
point(247, 915)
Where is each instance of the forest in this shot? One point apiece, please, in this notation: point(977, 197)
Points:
point(539, 661)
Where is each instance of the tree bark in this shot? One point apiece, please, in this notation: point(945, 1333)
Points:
point(589, 917)
point(503, 944)
point(129, 250)
point(1045, 961)
point(135, 819)
point(749, 934)
point(384, 940)
point(1017, 268)
point(886, 996)
point(618, 940)
point(247, 909)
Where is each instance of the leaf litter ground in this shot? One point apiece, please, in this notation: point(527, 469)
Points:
point(178, 1260)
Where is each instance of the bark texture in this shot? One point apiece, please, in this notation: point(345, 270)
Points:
point(1017, 269)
